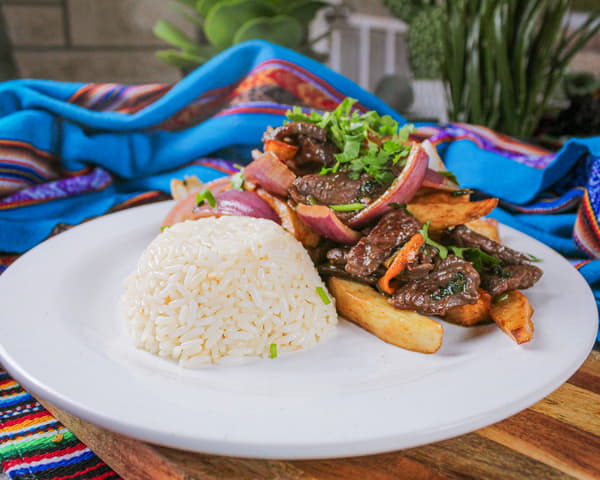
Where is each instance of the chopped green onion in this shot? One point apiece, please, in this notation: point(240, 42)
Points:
point(450, 176)
point(237, 180)
point(464, 191)
point(206, 195)
point(347, 207)
point(273, 350)
point(323, 295)
point(164, 227)
point(425, 232)
point(533, 258)
point(501, 298)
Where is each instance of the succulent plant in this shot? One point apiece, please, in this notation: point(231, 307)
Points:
point(223, 23)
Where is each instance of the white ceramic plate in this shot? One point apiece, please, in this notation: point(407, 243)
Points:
point(61, 337)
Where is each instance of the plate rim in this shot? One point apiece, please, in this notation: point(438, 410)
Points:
point(45, 392)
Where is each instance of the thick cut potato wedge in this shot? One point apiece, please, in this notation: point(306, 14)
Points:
point(289, 220)
point(488, 227)
point(364, 306)
point(439, 196)
point(513, 315)
point(443, 215)
point(469, 315)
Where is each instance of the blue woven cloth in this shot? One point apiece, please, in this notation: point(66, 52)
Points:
point(70, 152)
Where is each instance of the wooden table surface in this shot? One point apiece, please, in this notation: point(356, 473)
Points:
point(557, 438)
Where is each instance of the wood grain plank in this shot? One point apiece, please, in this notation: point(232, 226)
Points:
point(562, 446)
point(212, 467)
point(588, 376)
point(391, 466)
point(472, 456)
point(573, 405)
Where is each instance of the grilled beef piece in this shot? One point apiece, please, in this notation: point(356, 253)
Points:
point(337, 256)
point(314, 152)
point(334, 270)
point(462, 236)
point(334, 189)
point(392, 230)
point(423, 264)
point(452, 282)
point(510, 277)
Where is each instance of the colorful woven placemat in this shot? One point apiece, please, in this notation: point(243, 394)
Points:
point(36, 446)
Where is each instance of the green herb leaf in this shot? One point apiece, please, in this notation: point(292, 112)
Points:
point(481, 261)
point(464, 191)
point(323, 295)
point(164, 227)
point(353, 132)
point(443, 251)
point(533, 258)
point(347, 207)
point(273, 350)
point(458, 284)
point(311, 200)
point(237, 179)
point(206, 195)
point(450, 176)
point(501, 298)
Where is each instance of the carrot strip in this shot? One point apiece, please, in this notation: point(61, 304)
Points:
point(405, 255)
point(284, 151)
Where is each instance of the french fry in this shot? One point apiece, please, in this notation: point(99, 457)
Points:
point(488, 227)
point(469, 315)
point(513, 315)
point(438, 196)
point(443, 215)
point(366, 307)
point(289, 220)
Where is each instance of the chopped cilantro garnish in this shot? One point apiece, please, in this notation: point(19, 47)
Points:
point(458, 284)
point(164, 227)
point(443, 251)
point(323, 295)
point(450, 176)
point(533, 258)
point(354, 134)
point(206, 195)
point(311, 200)
point(480, 260)
point(347, 207)
point(273, 350)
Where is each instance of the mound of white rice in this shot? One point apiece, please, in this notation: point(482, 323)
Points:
point(220, 290)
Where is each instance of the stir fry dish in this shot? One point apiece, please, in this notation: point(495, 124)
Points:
point(384, 222)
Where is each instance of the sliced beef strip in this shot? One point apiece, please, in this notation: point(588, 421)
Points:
point(337, 256)
point(315, 150)
point(462, 236)
point(392, 230)
point(426, 295)
point(511, 277)
point(332, 270)
point(331, 189)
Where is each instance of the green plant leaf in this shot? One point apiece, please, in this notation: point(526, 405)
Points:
point(204, 6)
point(180, 59)
point(173, 35)
point(281, 29)
point(225, 19)
point(304, 11)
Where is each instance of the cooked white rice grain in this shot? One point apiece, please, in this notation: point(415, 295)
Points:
point(222, 290)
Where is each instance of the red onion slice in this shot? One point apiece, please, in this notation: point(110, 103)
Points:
point(236, 203)
point(270, 173)
point(184, 208)
point(401, 191)
point(325, 222)
point(438, 181)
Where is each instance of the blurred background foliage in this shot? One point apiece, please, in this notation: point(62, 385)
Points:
point(223, 23)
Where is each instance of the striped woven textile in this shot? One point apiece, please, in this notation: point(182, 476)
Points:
point(35, 446)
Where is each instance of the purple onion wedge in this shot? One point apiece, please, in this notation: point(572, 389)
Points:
point(236, 203)
point(270, 173)
point(400, 191)
point(324, 221)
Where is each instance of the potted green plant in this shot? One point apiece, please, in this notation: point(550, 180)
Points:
point(223, 23)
